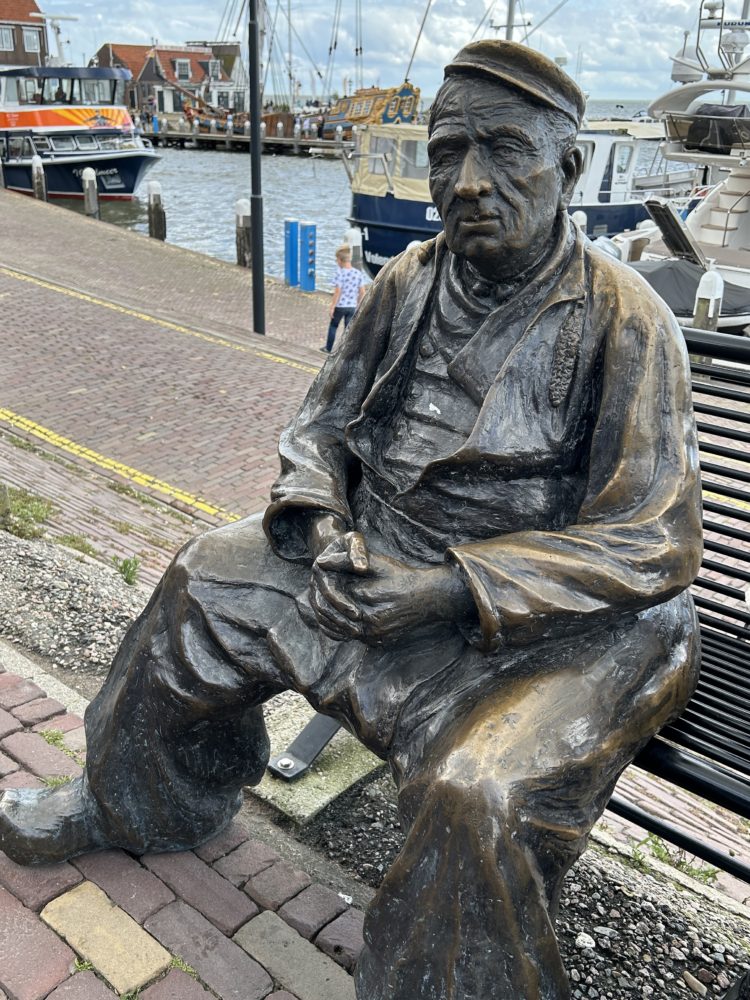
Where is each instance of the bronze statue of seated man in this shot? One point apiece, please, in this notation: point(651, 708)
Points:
point(476, 558)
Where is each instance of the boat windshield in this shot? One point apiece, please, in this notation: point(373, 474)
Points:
point(53, 90)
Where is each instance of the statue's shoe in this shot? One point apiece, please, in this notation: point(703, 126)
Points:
point(41, 826)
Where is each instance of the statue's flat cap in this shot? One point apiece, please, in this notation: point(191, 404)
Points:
point(523, 68)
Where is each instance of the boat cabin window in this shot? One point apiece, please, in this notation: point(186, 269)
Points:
point(27, 91)
point(63, 143)
point(19, 147)
point(41, 144)
point(587, 151)
point(380, 146)
point(414, 162)
point(2, 149)
point(623, 158)
point(86, 142)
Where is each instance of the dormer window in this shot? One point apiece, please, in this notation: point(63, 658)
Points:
point(214, 69)
point(6, 39)
point(31, 39)
point(182, 69)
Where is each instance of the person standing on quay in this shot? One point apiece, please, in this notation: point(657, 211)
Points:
point(348, 292)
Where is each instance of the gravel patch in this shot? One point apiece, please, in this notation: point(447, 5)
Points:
point(625, 932)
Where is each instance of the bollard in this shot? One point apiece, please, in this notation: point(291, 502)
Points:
point(581, 219)
point(353, 238)
point(90, 193)
point(196, 126)
point(157, 218)
point(246, 127)
point(243, 232)
point(291, 252)
point(280, 130)
point(38, 180)
point(708, 301)
point(307, 240)
point(2, 175)
point(263, 130)
point(339, 135)
point(213, 127)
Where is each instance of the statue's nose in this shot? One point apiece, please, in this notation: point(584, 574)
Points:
point(473, 179)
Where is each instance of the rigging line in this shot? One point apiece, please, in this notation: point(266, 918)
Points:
point(358, 48)
point(328, 83)
point(524, 22)
point(419, 35)
point(240, 18)
point(270, 47)
point(304, 48)
point(546, 18)
point(490, 8)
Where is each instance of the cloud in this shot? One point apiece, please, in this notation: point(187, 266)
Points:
point(624, 50)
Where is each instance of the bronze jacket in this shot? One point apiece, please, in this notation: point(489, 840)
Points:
point(590, 405)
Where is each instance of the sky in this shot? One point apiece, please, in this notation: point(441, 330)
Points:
point(623, 47)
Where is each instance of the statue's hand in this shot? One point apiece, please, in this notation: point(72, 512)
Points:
point(375, 598)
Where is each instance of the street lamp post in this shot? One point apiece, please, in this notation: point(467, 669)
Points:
point(256, 197)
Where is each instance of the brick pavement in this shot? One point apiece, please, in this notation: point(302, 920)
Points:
point(229, 920)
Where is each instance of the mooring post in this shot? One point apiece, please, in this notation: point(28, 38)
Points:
point(256, 194)
point(157, 217)
point(354, 239)
point(90, 193)
point(2, 175)
point(38, 180)
point(244, 237)
point(708, 300)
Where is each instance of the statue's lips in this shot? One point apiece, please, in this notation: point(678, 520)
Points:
point(485, 223)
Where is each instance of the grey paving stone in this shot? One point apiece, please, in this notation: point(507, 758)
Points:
point(277, 884)
point(36, 886)
point(220, 963)
point(223, 843)
point(20, 779)
point(82, 986)
point(283, 995)
point(315, 907)
point(33, 958)
point(342, 939)
point(203, 888)
point(293, 962)
point(176, 985)
point(248, 860)
point(127, 883)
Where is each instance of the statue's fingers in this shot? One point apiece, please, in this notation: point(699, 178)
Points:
point(358, 555)
point(331, 622)
point(335, 562)
point(336, 597)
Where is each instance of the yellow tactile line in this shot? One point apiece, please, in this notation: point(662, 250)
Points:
point(101, 461)
point(166, 324)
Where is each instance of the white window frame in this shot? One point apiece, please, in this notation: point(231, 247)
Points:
point(214, 69)
point(34, 36)
point(6, 38)
point(180, 64)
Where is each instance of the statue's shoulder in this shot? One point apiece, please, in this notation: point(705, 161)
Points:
point(618, 286)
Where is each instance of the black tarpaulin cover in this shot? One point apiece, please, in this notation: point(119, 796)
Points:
point(677, 282)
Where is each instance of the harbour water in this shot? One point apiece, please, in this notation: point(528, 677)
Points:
point(200, 188)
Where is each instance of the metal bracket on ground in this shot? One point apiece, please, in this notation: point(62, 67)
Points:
point(302, 752)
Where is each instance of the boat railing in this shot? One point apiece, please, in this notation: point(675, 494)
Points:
point(383, 159)
point(713, 134)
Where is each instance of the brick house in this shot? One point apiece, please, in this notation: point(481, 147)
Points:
point(162, 75)
point(23, 38)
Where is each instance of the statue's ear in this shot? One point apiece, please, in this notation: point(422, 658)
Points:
point(572, 167)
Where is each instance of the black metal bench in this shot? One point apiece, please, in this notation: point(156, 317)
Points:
point(707, 751)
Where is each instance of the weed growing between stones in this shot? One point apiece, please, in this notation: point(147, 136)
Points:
point(127, 568)
point(22, 513)
point(56, 781)
point(82, 966)
point(77, 542)
point(56, 738)
point(178, 963)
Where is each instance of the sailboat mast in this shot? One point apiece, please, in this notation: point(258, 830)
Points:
point(511, 20)
point(289, 50)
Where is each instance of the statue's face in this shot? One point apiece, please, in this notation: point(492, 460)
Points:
point(496, 175)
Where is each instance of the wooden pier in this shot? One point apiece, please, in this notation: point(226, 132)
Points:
point(238, 142)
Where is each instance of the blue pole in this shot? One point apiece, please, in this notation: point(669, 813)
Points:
point(291, 252)
point(307, 240)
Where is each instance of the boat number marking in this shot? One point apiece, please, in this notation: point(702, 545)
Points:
point(432, 214)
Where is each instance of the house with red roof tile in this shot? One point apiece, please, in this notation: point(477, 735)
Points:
point(23, 37)
point(165, 76)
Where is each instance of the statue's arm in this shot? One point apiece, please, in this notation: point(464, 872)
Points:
point(637, 541)
point(309, 499)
